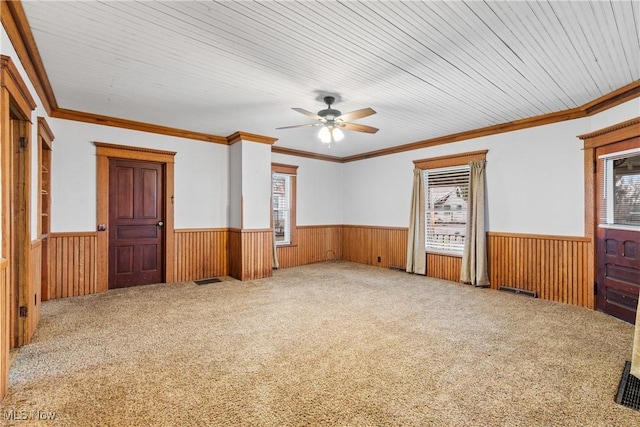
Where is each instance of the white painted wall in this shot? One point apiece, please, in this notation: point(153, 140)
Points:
point(617, 114)
point(535, 178)
point(201, 176)
point(235, 186)
point(256, 184)
point(319, 198)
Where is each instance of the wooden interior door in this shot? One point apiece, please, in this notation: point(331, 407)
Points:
point(136, 211)
point(618, 230)
point(618, 254)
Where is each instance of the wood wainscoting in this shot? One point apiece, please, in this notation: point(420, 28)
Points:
point(4, 328)
point(250, 253)
point(201, 253)
point(555, 267)
point(380, 246)
point(73, 264)
point(316, 243)
point(444, 267)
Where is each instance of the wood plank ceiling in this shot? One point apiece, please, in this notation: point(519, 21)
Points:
point(428, 68)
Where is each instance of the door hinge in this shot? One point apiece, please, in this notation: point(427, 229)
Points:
point(595, 288)
point(595, 166)
point(23, 311)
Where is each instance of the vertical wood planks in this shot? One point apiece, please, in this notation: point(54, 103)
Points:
point(314, 244)
point(364, 245)
point(73, 264)
point(556, 267)
point(250, 254)
point(444, 267)
point(201, 253)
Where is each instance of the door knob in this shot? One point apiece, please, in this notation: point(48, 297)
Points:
point(160, 224)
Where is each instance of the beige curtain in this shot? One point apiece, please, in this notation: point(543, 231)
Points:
point(635, 355)
point(274, 259)
point(416, 257)
point(474, 259)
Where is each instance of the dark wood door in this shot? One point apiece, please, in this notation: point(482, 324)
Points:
point(135, 223)
point(618, 272)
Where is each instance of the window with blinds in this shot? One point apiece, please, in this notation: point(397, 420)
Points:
point(281, 194)
point(620, 189)
point(446, 199)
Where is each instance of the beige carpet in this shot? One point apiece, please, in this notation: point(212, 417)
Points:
point(335, 344)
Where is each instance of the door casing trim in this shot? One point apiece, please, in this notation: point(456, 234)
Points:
point(609, 135)
point(104, 152)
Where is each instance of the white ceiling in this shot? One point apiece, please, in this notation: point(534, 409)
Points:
point(428, 68)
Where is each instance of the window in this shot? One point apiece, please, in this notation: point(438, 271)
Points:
point(621, 191)
point(446, 197)
point(283, 194)
point(282, 208)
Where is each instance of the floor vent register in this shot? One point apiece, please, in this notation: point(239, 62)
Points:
point(629, 389)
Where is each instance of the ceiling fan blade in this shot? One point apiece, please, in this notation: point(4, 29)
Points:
point(307, 113)
point(358, 128)
point(357, 114)
point(298, 126)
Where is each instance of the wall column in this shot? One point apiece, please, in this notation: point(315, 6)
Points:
point(250, 234)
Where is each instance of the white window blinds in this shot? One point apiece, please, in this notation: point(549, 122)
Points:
point(446, 199)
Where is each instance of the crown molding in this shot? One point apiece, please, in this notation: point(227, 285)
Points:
point(245, 136)
point(79, 116)
point(307, 154)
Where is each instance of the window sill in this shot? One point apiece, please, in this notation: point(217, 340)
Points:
point(445, 253)
point(288, 245)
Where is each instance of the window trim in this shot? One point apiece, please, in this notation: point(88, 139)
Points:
point(292, 171)
point(448, 161)
point(451, 160)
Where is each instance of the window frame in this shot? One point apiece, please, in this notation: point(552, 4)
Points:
point(444, 162)
point(292, 172)
point(606, 215)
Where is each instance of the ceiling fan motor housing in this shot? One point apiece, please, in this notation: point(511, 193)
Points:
point(329, 113)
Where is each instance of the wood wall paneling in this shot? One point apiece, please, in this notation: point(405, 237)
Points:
point(201, 253)
point(250, 253)
point(314, 244)
point(367, 244)
point(555, 267)
point(73, 264)
point(444, 267)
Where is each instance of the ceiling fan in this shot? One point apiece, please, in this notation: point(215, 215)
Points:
point(333, 121)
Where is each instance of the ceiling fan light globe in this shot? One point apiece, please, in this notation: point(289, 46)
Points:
point(324, 135)
point(337, 134)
